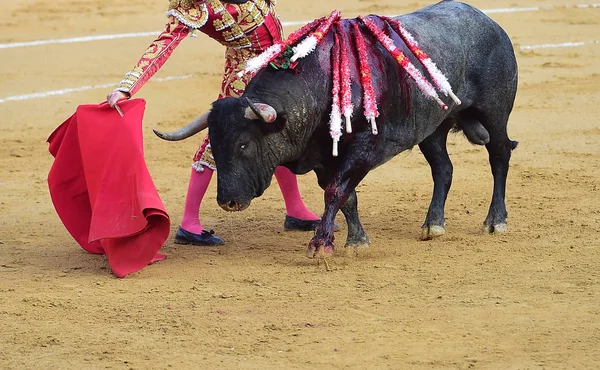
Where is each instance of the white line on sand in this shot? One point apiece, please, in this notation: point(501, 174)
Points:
point(562, 45)
point(79, 89)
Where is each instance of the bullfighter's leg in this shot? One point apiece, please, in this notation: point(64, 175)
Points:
point(499, 149)
point(435, 151)
point(297, 216)
point(191, 230)
point(338, 189)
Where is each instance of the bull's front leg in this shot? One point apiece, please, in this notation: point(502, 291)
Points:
point(356, 234)
point(339, 192)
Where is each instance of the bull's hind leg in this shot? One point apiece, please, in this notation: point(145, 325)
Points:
point(499, 149)
point(435, 152)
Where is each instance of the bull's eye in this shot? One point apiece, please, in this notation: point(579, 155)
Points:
point(243, 145)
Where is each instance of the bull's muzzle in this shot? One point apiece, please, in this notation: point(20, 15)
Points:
point(233, 206)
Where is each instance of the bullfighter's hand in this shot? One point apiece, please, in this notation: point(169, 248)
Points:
point(114, 97)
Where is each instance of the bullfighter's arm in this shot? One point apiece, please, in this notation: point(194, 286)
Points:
point(155, 57)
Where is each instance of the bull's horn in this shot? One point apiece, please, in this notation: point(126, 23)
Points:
point(194, 127)
point(261, 111)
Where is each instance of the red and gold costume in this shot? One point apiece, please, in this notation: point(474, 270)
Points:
point(246, 30)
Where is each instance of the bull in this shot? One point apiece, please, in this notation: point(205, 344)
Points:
point(282, 119)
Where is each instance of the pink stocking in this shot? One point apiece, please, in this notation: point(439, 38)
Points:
point(196, 189)
point(294, 205)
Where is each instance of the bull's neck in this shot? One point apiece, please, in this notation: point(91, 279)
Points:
point(300, 95)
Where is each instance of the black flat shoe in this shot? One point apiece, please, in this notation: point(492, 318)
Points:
point(206, 238)
point(296, 224)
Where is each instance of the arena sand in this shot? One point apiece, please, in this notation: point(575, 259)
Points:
point(527, 299)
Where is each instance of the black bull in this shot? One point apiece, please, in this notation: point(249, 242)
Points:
point(478, 59)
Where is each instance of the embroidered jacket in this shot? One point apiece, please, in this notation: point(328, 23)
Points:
point(245, 29)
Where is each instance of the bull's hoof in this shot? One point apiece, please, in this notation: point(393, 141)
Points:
point(319, 250)
point(355, 244)
point(432, 232)
point(358, 242)
point(499, 228)
point(354, 250)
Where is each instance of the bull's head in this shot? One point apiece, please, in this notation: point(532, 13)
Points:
point(247, 145)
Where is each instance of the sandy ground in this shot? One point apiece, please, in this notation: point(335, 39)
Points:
point(527, 299)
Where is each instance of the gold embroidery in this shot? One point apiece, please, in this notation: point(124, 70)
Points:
point(206, 159)
point(192, 13)
point(154, 49)
point(239, 44)
point(262, 5)
point(239, 85)
point(220, 25)
point(236, 31)
point(138, 70)
point(124, 85)
point(170, 37)
point(195, 13)
point(185, 4)
point(230, 35)
point(253, 15)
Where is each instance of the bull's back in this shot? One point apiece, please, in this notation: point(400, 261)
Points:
point(469, 47)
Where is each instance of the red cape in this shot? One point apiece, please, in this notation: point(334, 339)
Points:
point(101, 188)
